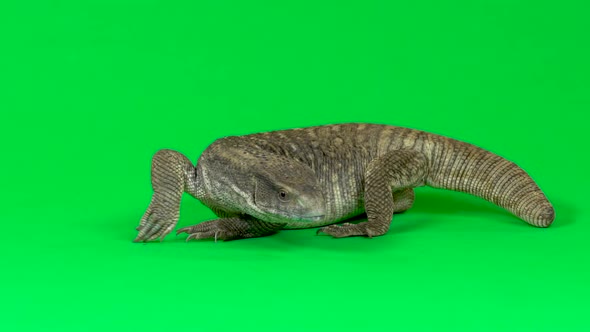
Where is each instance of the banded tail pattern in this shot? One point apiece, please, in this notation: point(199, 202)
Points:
point(467, 168)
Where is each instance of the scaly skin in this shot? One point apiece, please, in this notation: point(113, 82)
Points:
point(319, 176)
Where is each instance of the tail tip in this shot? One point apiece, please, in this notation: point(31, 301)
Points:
point(545, 216)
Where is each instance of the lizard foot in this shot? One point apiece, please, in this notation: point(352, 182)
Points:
point(348, 229)
point(155, 223)
point(212, 229)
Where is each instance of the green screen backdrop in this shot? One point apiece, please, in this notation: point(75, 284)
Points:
point(90, 90)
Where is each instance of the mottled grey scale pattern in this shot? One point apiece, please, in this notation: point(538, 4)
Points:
point(319, 176)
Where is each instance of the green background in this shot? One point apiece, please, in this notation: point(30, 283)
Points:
point(92, 89)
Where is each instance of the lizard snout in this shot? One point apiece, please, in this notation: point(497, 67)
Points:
point(313, 207)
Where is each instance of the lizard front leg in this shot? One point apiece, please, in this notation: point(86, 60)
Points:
point(230, 229)
point(172, 174)
point(392, 172)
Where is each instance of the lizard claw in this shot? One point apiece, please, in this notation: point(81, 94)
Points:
point(188, 230)
point(192, 236)
point(202, 235)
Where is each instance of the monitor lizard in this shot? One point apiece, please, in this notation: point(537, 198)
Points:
point(321, 176)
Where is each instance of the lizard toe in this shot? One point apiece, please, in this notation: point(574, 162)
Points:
point(154, 228)
point(346, 230)
point(187, 230)
point(217, 235)
point(152, 232)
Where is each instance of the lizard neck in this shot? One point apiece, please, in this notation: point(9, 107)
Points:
point(195, 185)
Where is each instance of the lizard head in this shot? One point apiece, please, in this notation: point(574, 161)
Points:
point(241, 179)
point(288, 191)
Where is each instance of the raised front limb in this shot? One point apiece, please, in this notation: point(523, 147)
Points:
point(172, 174)
point(392, 172)
point(230, 229)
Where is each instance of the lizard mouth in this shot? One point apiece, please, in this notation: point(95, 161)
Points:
point(314, 217)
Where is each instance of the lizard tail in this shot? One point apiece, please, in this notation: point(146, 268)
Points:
point(464, 167)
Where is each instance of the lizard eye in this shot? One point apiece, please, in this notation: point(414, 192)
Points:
point(283, 195)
